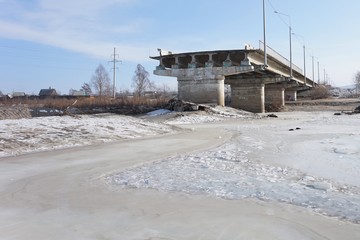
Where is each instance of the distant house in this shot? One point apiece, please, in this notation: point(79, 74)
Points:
point(79, 93)
point(19, 94)
point(15, 95)
point(50, 92)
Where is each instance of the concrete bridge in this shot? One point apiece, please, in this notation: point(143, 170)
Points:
point(201, 77)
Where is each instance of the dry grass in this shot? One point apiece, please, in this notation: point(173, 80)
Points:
point(320, 92)
point(85, 102)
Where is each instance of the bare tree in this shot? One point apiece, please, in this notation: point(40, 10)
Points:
point(86, 88)
point(164, 88)
point(71, 91)
point(101, 81)
point(161, 91)
point(357, 82)
point(140, 81)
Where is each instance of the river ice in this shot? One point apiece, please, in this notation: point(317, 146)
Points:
point(229, 172)
point(330, 186)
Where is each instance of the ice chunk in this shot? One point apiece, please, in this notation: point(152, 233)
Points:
point(324, 186)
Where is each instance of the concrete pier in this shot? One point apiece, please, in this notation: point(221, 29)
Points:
point(248, 97)
point(291, 94)
point(202, 91)
point(248, 94)
point(275, 95)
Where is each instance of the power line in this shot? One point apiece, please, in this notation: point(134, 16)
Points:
point(279, 16)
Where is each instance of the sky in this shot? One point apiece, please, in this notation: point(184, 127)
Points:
point(59, 44)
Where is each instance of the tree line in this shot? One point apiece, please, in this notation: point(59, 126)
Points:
point(100, 83)
point(357, 82)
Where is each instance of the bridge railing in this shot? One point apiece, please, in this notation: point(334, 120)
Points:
point(279, 57)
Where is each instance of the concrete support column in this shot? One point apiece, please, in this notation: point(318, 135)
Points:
point(291, 95)
point(274, 96)
point(176, 65)
point(227, 62)
point(193, 63)
point(248, 96)
point(202, 90)
point(210, 63)
point(161, 65)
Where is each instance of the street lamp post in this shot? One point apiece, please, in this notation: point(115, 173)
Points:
point(304, 64)
point(264, 23)
point(313, 73)
point(304, 50)
point(312, 66)
point(290, 33)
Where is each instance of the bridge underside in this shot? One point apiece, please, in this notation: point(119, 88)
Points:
point(201, 77)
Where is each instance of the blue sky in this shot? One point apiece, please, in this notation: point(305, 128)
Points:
point(56, 43)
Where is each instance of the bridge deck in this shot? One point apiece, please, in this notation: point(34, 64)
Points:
point(278, 66)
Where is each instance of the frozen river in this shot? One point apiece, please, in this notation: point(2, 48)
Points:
point(181, 176)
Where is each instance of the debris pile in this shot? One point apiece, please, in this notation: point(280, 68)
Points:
point(357, 110)
point(14, 112)
point(181, 106)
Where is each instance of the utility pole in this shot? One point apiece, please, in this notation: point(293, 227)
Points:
point(318, 64)
point(114, 61)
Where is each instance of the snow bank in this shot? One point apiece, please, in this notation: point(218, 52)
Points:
point(193, 118)
point(211, 114)
point(39, 134)
point(158, 112)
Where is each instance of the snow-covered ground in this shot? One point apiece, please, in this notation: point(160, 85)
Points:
point(19, 136)
point(212, 114)
point(344, 92)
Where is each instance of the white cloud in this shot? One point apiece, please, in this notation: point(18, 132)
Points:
point(101, 49)
point(79, 7)
point(76, 26)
